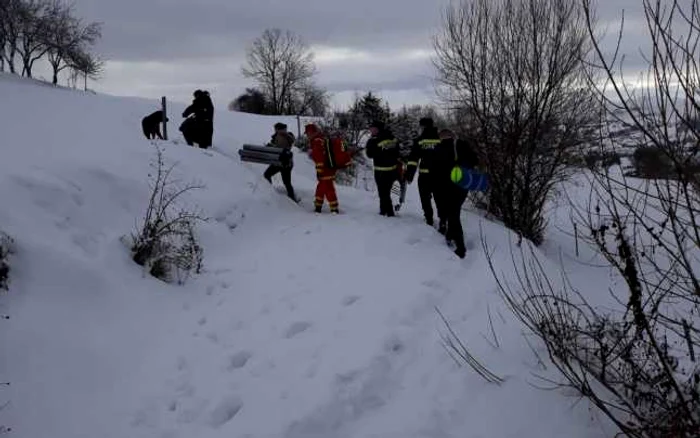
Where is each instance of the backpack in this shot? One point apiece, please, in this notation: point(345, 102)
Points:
point(337, 155)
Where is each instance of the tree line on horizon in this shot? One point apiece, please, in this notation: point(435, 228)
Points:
point(52, 31)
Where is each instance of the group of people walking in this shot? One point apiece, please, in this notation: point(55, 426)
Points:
point(434, 153)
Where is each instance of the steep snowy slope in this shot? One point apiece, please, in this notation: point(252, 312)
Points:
point(302, 325)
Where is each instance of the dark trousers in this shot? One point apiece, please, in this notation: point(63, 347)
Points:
point(385, 180)
point(206, 133)
point(197, 131)
point(428, 189)
point(151, 131)
point(454, 200)
point(286, 178)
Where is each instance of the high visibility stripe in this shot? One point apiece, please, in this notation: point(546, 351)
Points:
point(413, 163)
point(424, 171)
point(385, 169)
point(429, 142)
point(387, 144)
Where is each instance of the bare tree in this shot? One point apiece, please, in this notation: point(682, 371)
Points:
point(308, 99)
point(517, 67)
point(65, 34)
point(10, 31)
point(282, 65)
point(85, 63)
point(638, 362)
point(34, 27)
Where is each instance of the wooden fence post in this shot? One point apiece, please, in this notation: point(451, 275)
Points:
point(164, 104)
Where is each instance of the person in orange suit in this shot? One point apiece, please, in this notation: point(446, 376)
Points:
point(325, 188)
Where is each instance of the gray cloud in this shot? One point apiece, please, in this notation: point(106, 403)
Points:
point(171, 46)
point(138, 30)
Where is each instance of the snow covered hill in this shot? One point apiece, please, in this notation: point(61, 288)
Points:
point(301, 325)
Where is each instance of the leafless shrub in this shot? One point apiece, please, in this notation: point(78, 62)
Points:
point(637, 362)
point(515, 70)
point(461, 355)
point(166, 243)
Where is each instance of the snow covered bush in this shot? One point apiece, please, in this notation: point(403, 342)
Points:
point(166, 243)
point(6, 245)
point(636, 361)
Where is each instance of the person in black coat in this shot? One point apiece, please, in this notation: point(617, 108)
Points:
point(151, 125)
point(453, 152)
point(201, 130)
point(422, 160)
point(383, 149)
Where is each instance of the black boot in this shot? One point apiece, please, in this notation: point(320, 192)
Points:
point(442, 228)
point(461, 252)
point(429, 221)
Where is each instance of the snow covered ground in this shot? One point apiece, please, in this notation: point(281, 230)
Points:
point(302, 325)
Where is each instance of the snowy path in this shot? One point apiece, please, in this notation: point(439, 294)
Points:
point(305, 309)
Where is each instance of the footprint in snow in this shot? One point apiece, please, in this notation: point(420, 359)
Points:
point(350, 300)
point(225, 411)
point(239, 360)
point(202, 321)
point(394, 345)
point(413, 240)
point(297, 328)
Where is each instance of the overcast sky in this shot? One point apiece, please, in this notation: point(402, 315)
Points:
point(171, 47)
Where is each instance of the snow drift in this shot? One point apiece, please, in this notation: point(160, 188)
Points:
point(301, 325)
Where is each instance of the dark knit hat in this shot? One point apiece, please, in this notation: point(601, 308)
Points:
point(426, 122)
point(280, 126)
point(377, 124)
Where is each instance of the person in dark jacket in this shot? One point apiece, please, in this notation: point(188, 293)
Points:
point(201, 130)
point(151, 125)
point(383, 149)
point(285, 140)
point(453, 152)
point(422, 159)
